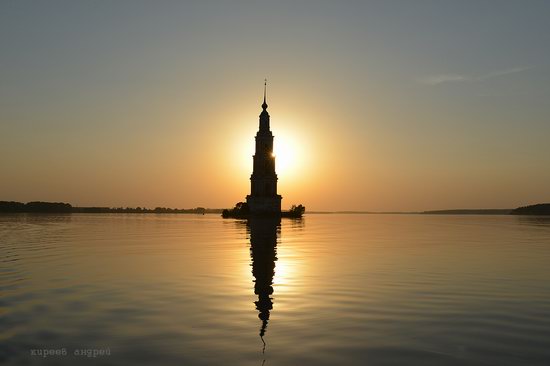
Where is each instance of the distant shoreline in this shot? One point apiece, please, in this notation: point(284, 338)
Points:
point(506, 211)
point(61, 207)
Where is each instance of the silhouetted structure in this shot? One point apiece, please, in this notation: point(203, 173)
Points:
point(263, 253)
point(263, 197)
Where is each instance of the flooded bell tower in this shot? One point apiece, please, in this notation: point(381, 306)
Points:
point(263, 197)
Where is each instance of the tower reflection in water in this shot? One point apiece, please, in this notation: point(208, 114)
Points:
point(263, 252)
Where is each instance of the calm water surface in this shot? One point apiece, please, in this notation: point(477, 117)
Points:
point(326, 290)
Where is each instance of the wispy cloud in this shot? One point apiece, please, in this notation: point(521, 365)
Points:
point(449, 78)
point(442, 78)
point(494, 74)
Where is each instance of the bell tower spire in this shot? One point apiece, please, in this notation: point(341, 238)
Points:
point(264, 105)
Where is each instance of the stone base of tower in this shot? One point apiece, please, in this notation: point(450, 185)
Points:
point(268, 206)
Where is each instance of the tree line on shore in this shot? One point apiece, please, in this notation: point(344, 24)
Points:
point(538, 209)
point(61, 207)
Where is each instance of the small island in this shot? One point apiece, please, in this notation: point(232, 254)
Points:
point(242, 211)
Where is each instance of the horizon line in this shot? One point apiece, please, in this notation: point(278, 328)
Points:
point(341, 211)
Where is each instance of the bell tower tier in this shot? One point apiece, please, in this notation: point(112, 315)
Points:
point(263, 197)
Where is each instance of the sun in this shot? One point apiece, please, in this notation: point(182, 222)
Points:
point(289, 151)
point(287, 155)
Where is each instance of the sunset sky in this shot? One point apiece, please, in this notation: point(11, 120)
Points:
point(381, 106)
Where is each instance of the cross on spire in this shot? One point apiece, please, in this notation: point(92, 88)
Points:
point(264, 105)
